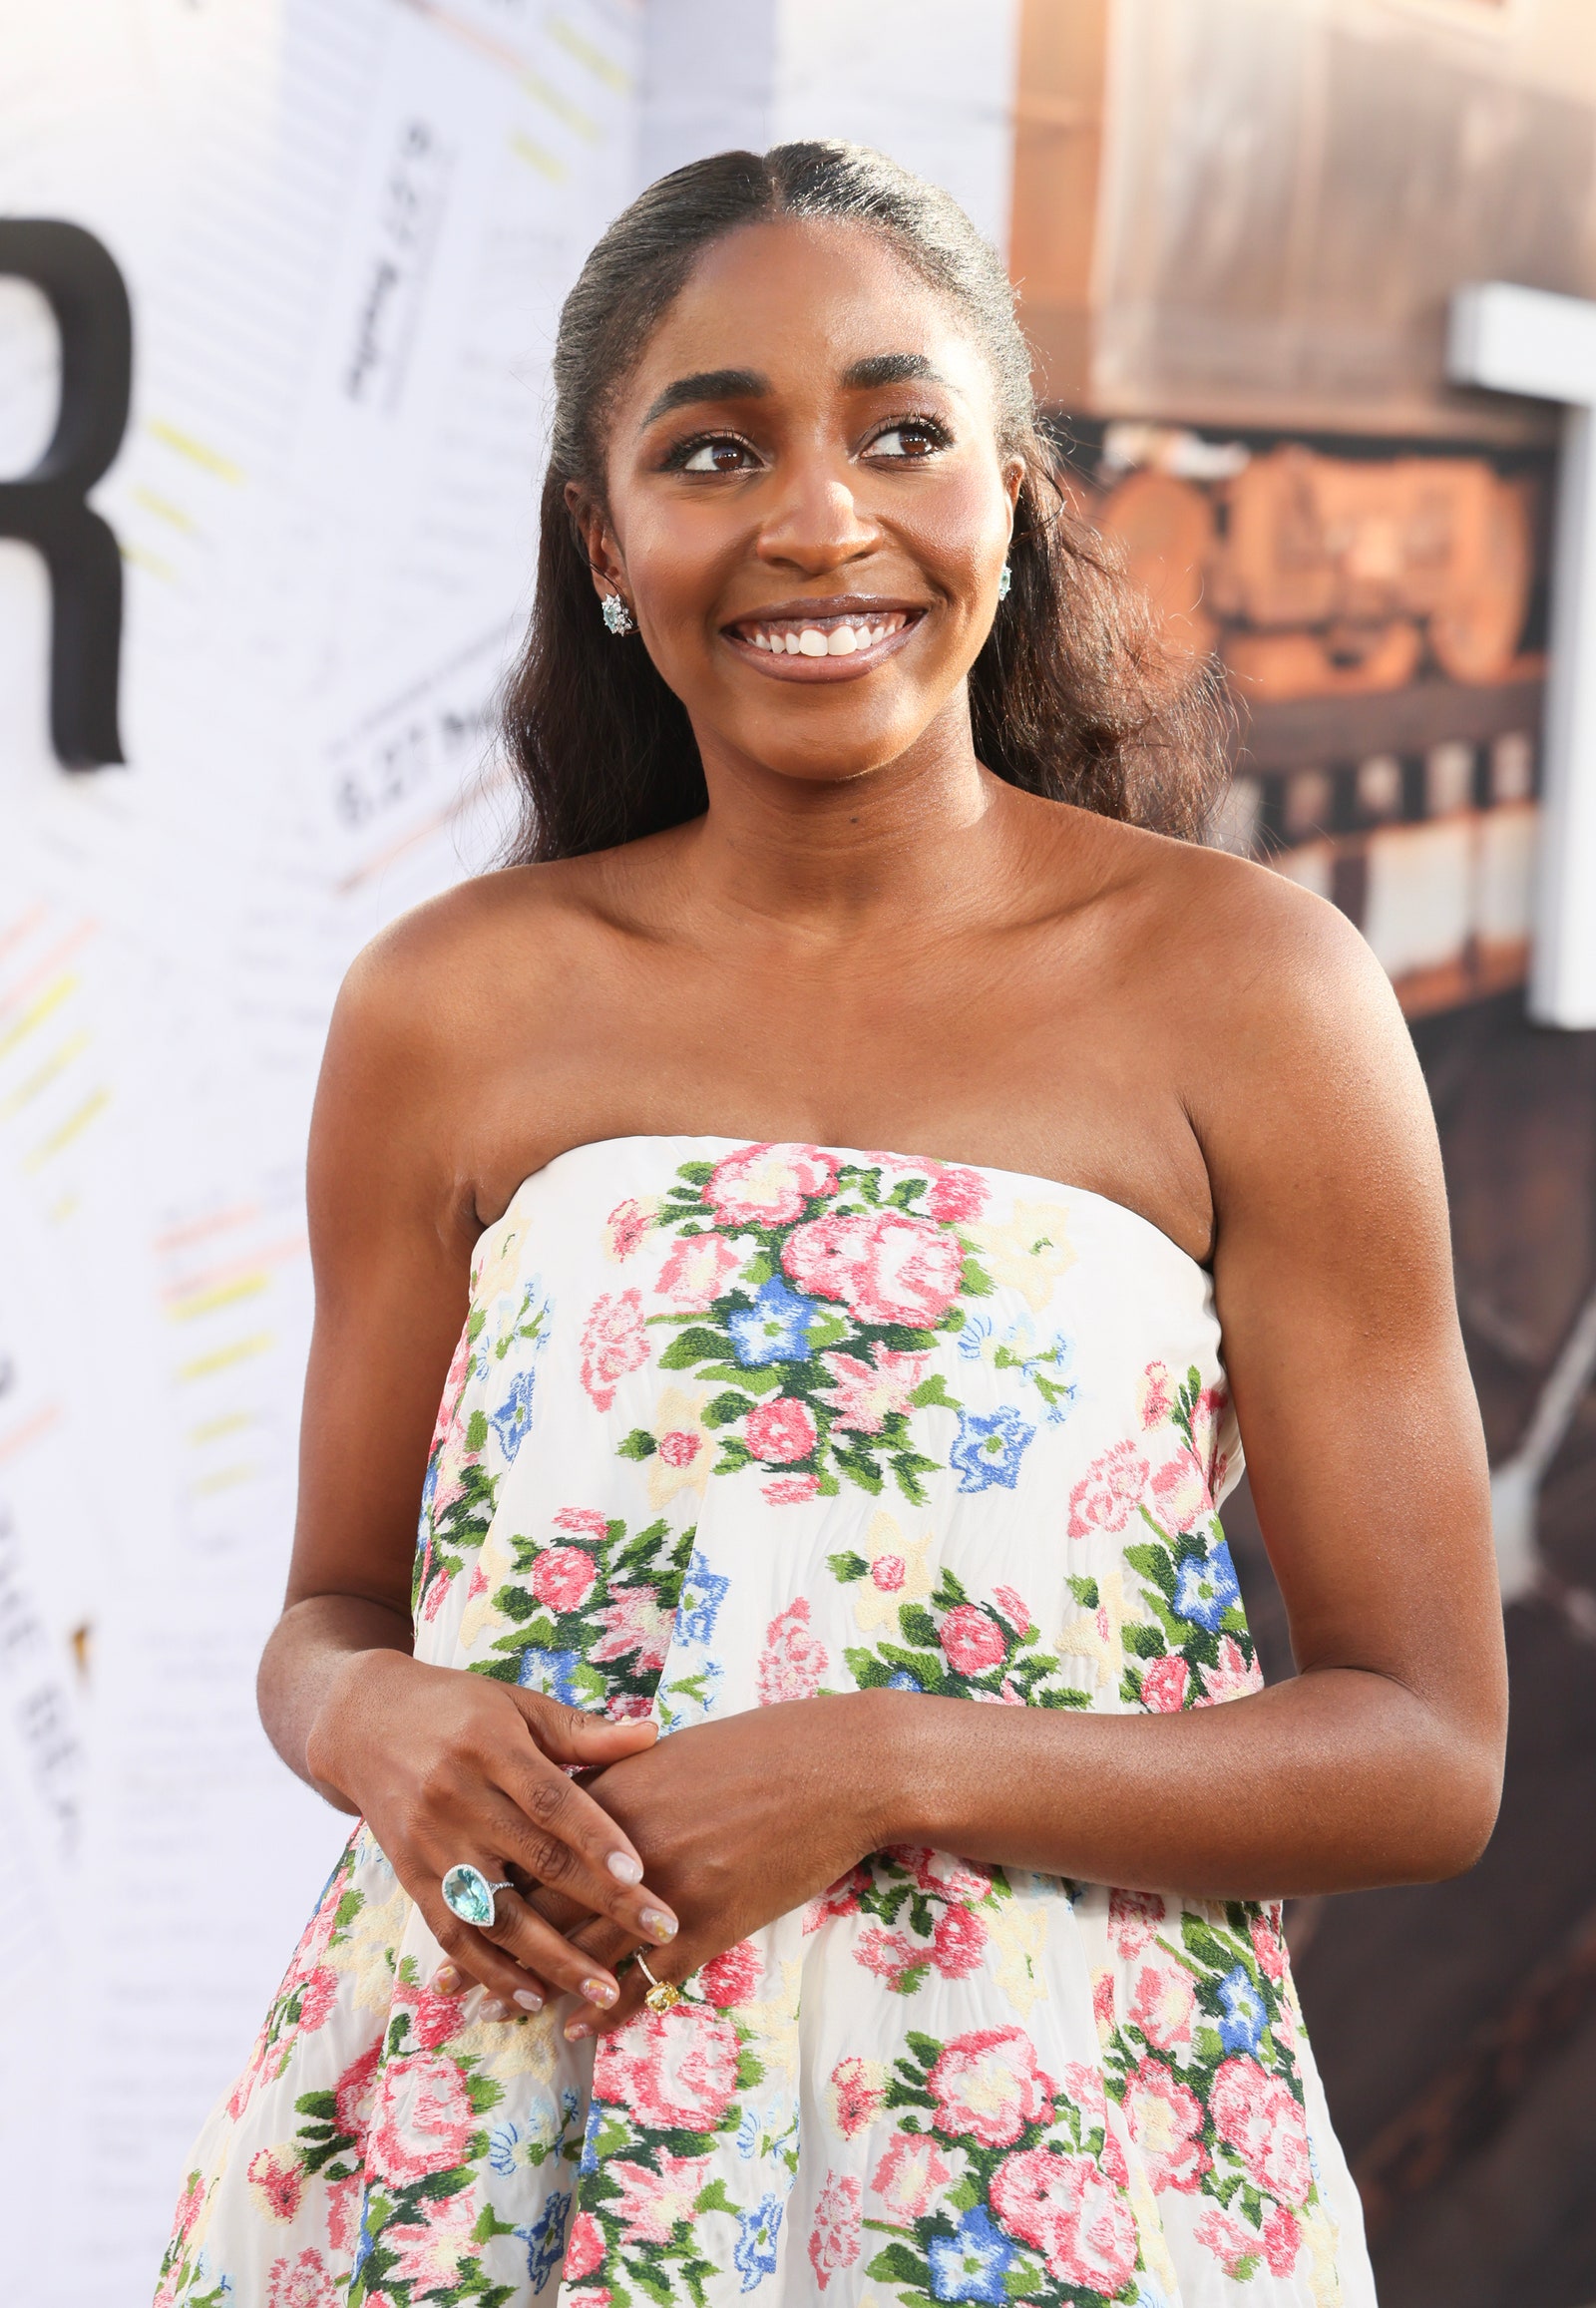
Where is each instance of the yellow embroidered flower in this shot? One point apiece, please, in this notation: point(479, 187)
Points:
point(898, 1574)
point(493, 1566)
point(1028, 1252)
point(684, 1448)
point(1097, 1637)
point(520, 2047)
point(370, 1951)
point(1017, 1931)
point(773, 2027)
point(497, 1270)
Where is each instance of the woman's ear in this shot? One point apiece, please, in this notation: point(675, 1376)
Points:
point(588, 518)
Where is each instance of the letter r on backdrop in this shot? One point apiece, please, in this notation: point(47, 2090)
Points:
point(48, 507)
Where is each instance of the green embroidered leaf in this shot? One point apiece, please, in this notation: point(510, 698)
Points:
point(897, 2264)
point(974, 1282)
point(758, 1270)
point(1144, 1642)
point(639, 1443)
point(1085, 1593)
point(917, 1626)
point(909, 1467)
point(725, 1407)
point(694, 1346)
point(847, 1567)
point(932, 1389)
point(477, 1430)
point(697, 1174)
point(515, 1603)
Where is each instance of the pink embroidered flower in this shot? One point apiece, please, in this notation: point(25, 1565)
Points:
point(957, 1196)
point(958, 1943)
point(1107, 1491)
point(1133, 1920)
point(561, 1577)
point(891, 1955)
point(628, 1707)
point(841, 1898)
point(354, 2096)
point(447, 1450)
point(1180, 1493)
point(679, 1449)
point(432, 2244)
point(1015, 1609)
point(1068, 2208)
point(1084, 2085)
point(1163, 1685)
point(1112, 2158)
point(635, 1623)
point(590, 2296)
point(1233, 1677)
point(696, 1271)
point(1236, 2248)
point(864, 1394)
point(791, 1491)
point(833, 2240)
point(1260, 2117)
point(781, 1431)
point(1155, 1397)
point(988, 2085)
point(581, 1523)
point(343, 2212)
point(888, 1268)
point(434, 2017)
point(1162, 2005)
point(792, 1663)
point(941, 1872)
point(670, 2071)
point(317, 1994)
point(305, 2282)
point(911, 2177)
point(1103, 2003)
point(732, 1976)
point(1166, 2122)
point(652, 2202)
point(1269, 1943)
point(613, 1342)
point(1282, 2238)
point(888, 1573)
point(627, 1226)
point(768, 1185)
point(856, 2094)
point(277, 2178)
point(585, 2253)
point(424, 2118)
point(970, 1640)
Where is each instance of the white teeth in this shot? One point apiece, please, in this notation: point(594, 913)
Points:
point(812, 643)
point(838, 641)
point(761, 641)
point(842, 642)
point(791, 645)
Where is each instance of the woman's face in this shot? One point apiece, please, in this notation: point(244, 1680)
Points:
point(807, 510)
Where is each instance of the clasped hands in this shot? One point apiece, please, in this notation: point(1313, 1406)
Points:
point(681, 1847)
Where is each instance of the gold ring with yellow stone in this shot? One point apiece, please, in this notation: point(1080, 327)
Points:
point(661, 1994)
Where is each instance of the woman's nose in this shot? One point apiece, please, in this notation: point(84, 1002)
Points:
point(817, 523)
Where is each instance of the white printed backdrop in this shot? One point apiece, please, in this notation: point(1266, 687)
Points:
point(346, 226)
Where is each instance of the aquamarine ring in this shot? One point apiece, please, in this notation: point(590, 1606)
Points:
point(467, 1894)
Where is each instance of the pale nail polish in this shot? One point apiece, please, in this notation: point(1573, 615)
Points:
point(624, 1867)
point(446, 1979)
point(493, 2009)
point(528, 2000)
point(656, 1921)
point(600, 1991)
point(575, 2029)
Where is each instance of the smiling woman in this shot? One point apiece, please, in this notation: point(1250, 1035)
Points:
point(708, 1162)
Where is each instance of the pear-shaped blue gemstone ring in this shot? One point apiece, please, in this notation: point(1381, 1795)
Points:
point(467, 1894)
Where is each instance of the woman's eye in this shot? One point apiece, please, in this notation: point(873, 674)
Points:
point(718, 456)
point(910, 439)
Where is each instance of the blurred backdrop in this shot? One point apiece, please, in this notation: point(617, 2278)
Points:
point(278, 281)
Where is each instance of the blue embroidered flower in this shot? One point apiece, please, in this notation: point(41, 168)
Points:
point(546, 2241)
point(988, 1448)
point(973, 2264)
point(901, 1680)
point(554, 1672)
point(756, 2249)
point(702, 1593)
point(748, 2134)
point(502, 2141)
point(775, 1329)
point(513, 1414)
point(1205, 1587)
point(973, 1336)
point(589, 2136)
point(1245, 2017)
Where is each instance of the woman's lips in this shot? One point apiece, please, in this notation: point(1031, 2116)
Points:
point(823, 648)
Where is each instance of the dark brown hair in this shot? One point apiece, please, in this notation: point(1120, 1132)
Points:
point(1074, 696)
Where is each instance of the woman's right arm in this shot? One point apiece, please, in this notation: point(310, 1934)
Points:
point(443, 1766)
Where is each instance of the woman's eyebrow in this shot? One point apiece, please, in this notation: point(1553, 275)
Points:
point(708, 385)
point(890, 369)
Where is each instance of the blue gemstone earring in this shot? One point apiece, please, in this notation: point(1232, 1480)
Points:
point(1004, 583)
point(618, 617)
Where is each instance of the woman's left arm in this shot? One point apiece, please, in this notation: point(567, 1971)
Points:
point(1380, 1761)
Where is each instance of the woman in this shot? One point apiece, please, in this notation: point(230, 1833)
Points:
point(850, 775)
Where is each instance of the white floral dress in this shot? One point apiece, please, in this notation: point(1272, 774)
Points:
point(736, 1423)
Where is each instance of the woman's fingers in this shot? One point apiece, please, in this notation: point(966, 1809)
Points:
point(556, 1833)
point(592, 2018)
point(570, 1735)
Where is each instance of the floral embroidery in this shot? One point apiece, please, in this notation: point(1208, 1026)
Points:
point(950, 1645)
point(590, 1612)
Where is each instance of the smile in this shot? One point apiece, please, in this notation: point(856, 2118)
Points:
point(828, 641)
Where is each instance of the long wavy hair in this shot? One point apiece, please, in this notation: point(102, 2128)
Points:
point(1074, 696)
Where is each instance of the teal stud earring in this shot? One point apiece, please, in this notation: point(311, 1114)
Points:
point(1004, 583)
point(616, 616)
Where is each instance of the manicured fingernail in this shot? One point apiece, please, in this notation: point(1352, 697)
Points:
point(446, 1979)
point(600, 1991)
point(657, 1921)
point(575, 2029)
point(529, 1999)
point(624, 1867)
point(493, 2009)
